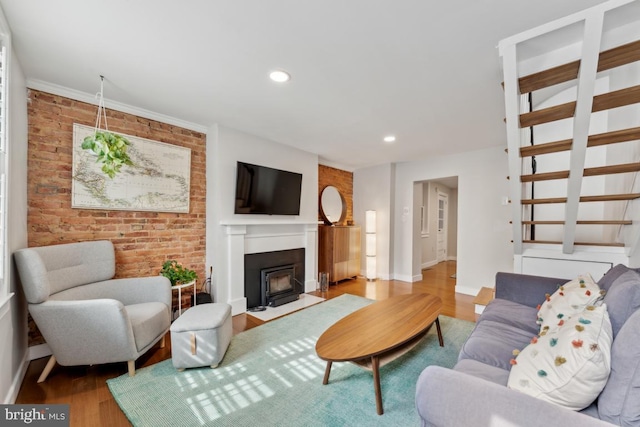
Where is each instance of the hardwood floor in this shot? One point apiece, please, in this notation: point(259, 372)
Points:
point(85, 388)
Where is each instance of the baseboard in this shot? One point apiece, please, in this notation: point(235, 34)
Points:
point(405, 278)
point(238, 306)
point(452, 258)
point(429, 264)
point(39, 351)
point(12, 393)
point(310, 286)
point(467, 290)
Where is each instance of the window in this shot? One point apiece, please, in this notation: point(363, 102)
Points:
point(4, 289)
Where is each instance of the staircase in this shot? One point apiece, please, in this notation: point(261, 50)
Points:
point(572, 103)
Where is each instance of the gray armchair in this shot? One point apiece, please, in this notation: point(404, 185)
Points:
point(85, 315)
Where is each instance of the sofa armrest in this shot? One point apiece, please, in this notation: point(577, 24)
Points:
point(525, 289)
point(445, 397)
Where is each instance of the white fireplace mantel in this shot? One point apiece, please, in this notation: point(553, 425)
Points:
point(255, 236)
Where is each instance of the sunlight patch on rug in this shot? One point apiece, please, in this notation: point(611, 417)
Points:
point(271, 376)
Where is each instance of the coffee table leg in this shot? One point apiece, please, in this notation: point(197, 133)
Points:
point(327, 371)
point(439, 332)
point(375, 365)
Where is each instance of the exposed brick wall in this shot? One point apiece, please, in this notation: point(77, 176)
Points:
point(142, 240)
point(340, 179)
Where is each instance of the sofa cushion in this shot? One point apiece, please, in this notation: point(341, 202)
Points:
point(511, 313)
point(619, 401)
point(493, 343)
point(610, 276)
point(570, 366)
point(623, 298)
point(571, 298)
point(482, 370)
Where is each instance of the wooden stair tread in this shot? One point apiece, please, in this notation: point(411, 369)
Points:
point(553, 242)
point(484, 296)
point(601, 170)
point(606, 138)
point(607, 60)
point(603, 198)
point(606, 101)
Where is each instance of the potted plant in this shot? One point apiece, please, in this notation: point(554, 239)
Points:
point(111, 150)
point(177, 274)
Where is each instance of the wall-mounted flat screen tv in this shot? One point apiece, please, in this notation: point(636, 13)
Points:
point(267, 191)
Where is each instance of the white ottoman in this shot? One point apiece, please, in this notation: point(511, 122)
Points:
point(200, 336)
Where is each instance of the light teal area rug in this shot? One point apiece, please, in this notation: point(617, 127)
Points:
point(271, 376)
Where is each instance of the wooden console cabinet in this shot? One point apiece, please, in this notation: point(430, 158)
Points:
point(339, 251)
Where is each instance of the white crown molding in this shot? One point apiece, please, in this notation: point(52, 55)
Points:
point(113, 105)
point(335, 165)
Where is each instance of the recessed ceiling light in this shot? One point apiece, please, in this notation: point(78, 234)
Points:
point(389, 138)
point(279, 76)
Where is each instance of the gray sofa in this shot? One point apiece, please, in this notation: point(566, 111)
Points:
point(474, 392)
point(86, 316)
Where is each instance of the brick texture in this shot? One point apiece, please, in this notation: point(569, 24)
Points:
point(142, 240)
point(340, 179)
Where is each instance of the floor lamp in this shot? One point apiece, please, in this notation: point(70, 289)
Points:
point(370, 244)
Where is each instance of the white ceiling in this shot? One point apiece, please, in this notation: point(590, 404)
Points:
point(426, 71)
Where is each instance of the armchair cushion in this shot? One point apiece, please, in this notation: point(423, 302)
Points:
point(147, 320)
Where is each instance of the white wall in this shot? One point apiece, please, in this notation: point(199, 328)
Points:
point(484, 234)
point(13, 316)
point(373, 190)
point(226, 146)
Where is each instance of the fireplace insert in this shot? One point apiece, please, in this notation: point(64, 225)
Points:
point(278, 285)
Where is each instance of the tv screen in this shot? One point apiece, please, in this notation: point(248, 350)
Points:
point(267, 191)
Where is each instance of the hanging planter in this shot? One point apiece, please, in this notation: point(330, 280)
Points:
point(109, 148)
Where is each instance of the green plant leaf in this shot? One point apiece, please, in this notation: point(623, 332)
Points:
point(110, 149)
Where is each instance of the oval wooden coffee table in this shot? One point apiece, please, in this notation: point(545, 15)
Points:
point(379, 333)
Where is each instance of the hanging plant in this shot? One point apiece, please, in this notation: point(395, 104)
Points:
point(109, 147)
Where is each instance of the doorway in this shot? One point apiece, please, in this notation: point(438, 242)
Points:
point(442, 234)
point(435, 204)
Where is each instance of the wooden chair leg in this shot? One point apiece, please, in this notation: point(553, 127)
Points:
point(131, 364)
point(47, 369)
point(163, 341)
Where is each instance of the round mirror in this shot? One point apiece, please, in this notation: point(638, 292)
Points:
point(333, 207)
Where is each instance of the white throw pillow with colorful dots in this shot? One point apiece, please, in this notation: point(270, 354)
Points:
point(571, 298)
point(569, 366)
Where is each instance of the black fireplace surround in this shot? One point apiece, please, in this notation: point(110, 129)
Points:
point(258, 267)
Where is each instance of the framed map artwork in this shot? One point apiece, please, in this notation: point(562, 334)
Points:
point(158, 180)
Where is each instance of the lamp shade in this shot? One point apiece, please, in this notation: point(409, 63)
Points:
point(370, 244)
point(370, 222)
point(371, 268)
